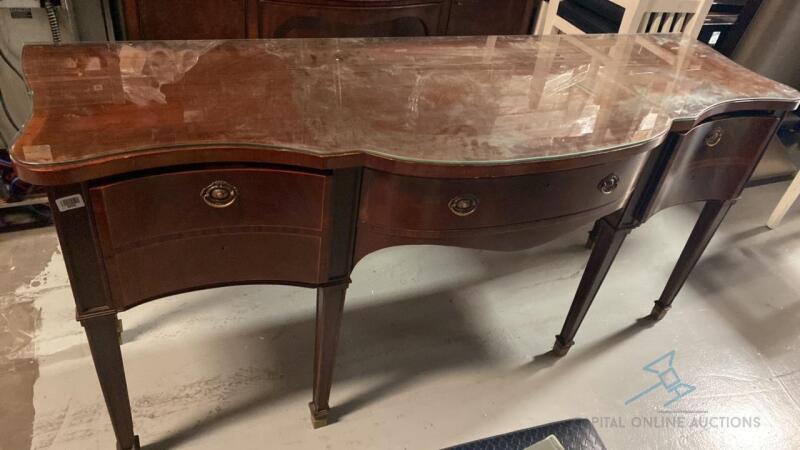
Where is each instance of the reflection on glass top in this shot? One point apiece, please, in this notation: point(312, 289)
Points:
point(449, 100)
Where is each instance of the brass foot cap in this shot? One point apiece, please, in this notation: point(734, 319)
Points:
point(659, 311)
point(136, 445)
point(560, 348)
point(319, 419)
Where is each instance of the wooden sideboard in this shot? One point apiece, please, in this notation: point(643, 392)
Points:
point(239, 19)
point(288, 161)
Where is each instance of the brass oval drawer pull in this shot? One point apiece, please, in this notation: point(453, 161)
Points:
point(715, 137)
point(463, 205)
point(219, 194)
point(608, 184)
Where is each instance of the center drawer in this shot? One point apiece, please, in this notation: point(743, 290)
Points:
point(166, 233)
point(398, 204)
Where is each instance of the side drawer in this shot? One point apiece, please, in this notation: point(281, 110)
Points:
point(712, 161)
point(398, 204)
point(168, 233)
point(160, 207)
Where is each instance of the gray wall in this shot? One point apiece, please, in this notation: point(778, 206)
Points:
point(771, 44)
point(81, 20)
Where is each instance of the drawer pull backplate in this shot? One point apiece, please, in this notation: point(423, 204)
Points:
point(463, 205)
point(219, 194)
point(608, 184)
point(714, 138)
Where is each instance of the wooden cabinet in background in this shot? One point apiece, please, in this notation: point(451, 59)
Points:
point(348, 18)
point(479, 17)
point(185, 19)
point(236, 19)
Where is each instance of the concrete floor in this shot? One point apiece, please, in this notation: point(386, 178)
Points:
point(439, 346)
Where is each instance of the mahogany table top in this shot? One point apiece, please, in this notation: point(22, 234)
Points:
point(444, 100)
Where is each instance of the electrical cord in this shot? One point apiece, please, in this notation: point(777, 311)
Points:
point(55, 31)
point(8, 62)
point(7, 112)
point(16, 188)
point(3, 104)
point(52, 18)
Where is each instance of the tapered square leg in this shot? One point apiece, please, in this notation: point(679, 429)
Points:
point(330, 304)
point(710, 219)
point(609, 240)
point(104, 346)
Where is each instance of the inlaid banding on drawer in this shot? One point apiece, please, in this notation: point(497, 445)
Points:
point(219, 232)
point(162, 207)
point(196, 262)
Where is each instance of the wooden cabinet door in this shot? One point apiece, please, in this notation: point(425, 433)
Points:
point(486, 17)
point(351, 18)
point(239, 19)
point(185, 19)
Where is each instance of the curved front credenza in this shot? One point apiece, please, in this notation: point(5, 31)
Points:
point(174, 166)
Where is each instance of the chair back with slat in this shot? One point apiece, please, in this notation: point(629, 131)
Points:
point(673, 16)
point(639, 16)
